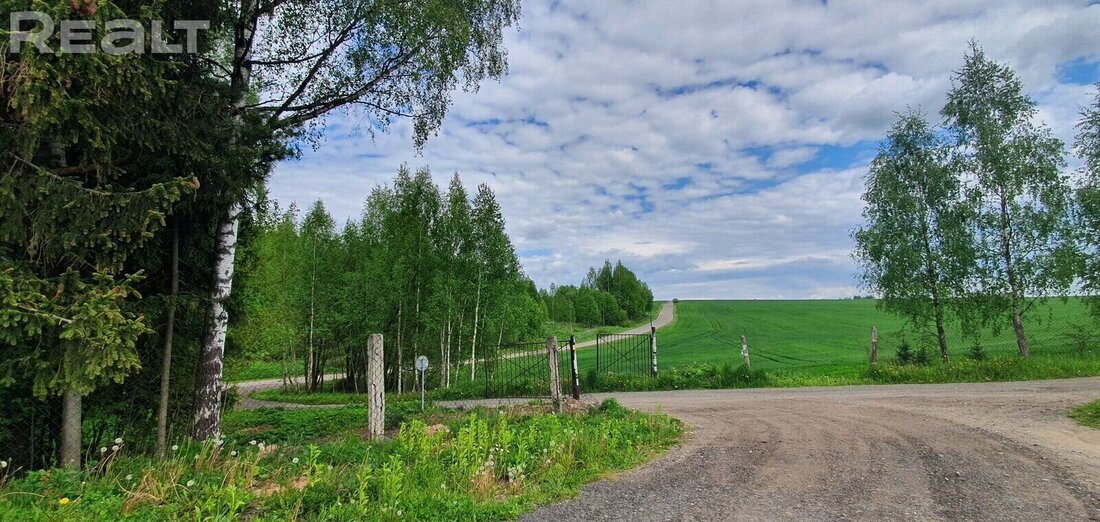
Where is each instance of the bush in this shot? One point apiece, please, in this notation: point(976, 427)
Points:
point(976, 352)
point(904, 352)
point(922, 357)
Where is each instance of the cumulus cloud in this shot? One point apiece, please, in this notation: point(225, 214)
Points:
point(716, 146)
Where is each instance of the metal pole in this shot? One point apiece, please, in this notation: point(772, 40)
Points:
point(653, 348)
point(576, 374)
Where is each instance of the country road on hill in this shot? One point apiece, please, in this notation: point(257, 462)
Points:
point(663, 319)
point(985, 451)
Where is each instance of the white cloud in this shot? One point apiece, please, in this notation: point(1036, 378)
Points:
point(676, 135)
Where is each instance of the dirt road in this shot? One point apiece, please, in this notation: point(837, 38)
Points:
point(664, 317)
point(995, 451)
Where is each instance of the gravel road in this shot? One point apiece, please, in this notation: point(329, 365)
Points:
point(990, 451)
point(664, 317)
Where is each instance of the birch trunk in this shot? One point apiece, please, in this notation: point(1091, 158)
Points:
point(400, 381)
point(1013, 284)
point(166, 357)
point(206, 421)
point(473, 340)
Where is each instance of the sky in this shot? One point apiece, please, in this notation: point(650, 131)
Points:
point(717, 148)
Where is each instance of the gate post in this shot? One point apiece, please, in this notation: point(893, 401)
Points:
point(554, 357)
point(376, 387)
point(573, 363)
point(653, 349)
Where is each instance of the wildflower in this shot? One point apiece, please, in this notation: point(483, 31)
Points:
point(251, 443)
point(3, 464)
point(114, 448)
point(118, 440)
point(63, 501)
point(129, 477)
point(103, 450)
point(233, 453)
point(190, 483)
point(294, 460)
point(175, 447)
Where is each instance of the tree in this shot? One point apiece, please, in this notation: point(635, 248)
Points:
point(302, 60)
point(916, 248)
point(1018, 191)
point(1087, 146)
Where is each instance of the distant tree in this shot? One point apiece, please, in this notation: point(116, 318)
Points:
point(916, 247)
point(1020, 196)
point(1087, 147)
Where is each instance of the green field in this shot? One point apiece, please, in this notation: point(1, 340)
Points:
point(814, 333)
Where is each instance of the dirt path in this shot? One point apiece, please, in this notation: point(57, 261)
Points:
point(664, 317)
point(245, 389)
point(991, 451)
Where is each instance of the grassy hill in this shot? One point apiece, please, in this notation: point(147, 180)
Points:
point(794, 334)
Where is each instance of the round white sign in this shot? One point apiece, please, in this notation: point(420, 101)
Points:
point(421, 363)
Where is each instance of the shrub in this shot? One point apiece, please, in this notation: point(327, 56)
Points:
point(976, 352)
point(922, 356)
point(904, 352)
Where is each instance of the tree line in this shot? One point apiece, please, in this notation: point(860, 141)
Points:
point(129, 181)
point(976, 221)
point(607, 297)
point(433, 271)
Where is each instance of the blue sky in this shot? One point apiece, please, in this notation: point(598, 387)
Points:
point(717, 147)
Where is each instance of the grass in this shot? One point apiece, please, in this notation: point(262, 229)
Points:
point(1087, 414)
point(825, 333)
point(237, 371)
point(314, 465)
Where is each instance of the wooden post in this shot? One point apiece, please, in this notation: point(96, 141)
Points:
point(653, 350)
point(573, 363)
point(376, 387)
point(554, 357)
point(874, 346)
point(745, 353)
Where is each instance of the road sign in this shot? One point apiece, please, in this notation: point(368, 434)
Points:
point(421, 363)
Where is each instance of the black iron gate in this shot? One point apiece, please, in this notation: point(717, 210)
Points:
point(517, 370)
point(626, 354)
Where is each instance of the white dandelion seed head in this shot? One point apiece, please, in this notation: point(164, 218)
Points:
point(251, 443)
point(232, 453)
point(103, 449)
point(114, 448)
point(175, 447)
point(118, 440)
point(3, 464)
point(294, 460)
point(190, 483)
point(129, 477)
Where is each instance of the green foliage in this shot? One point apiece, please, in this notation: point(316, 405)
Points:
point(916, 249)
point(429, 263)
point(976, 352)
point(1017, 190)
point(1087, 414)
point(921, 357)
point(481, 465)
point(609, 296)
point(904, 353)
point(1087, 147)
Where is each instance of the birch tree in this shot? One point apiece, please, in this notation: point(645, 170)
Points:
point(295, 61)
point(1013, 165)
point(915, 249)
point(1087, 147)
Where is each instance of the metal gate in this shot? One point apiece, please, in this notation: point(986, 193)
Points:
point(517, 370)
point(634, 354)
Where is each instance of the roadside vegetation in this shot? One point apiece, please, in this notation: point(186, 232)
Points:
point(313, 465)
point(1088, 414)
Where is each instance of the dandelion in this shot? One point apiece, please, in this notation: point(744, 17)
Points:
point(118, 440)
point(251, 443)
point(114, 448)
point(232, 453)
point(129, 477)
point(175, 447)
point(63, 501)
point(3, 464)
point(103, 449)
point(190, 483)
point(294, 460)
point(196, 457)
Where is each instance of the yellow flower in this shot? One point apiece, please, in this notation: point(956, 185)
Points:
point(63, 501)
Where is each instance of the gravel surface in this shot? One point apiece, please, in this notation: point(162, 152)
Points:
point(989, 451)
